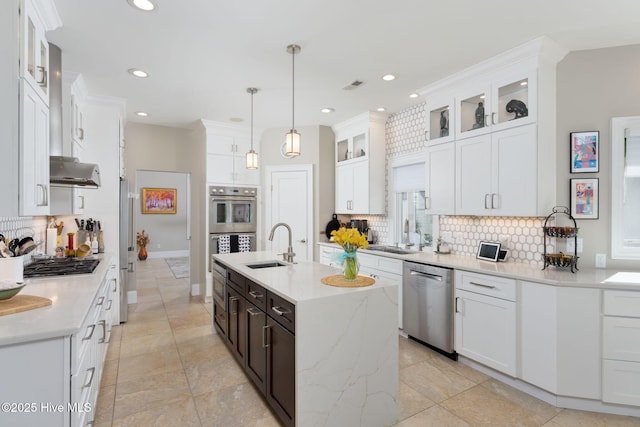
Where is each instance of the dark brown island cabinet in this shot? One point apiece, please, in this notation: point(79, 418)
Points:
point(261, 335)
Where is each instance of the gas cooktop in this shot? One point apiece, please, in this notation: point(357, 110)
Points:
point(60, 267)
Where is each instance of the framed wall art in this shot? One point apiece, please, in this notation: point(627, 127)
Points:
point(159, 200)
point(584, 198)
point(584, 151)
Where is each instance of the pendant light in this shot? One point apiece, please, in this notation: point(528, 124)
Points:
point(252, 156)
point(292, 138)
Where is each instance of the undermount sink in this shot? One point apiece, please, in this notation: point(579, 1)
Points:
point(390, 249)
point(267, 264)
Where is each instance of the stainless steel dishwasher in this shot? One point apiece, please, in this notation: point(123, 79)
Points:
point(427, 306)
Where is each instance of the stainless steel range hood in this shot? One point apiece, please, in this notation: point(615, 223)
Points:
point(64, 171)
point(68, 171)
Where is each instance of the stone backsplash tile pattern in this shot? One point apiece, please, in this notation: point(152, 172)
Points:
point(24, 226)
point(404, 133)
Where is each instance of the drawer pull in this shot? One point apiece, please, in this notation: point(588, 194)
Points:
point(88, 337)
point(265, 338)
point(233, 310)
point(255, 295)
point(482, 285)
point(109, 305)
point(103, 323)
point(93, 372)
point(254, 312)
point(279, 311)
point(100, 301)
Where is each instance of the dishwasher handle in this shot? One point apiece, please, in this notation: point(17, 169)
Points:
point(428, 275)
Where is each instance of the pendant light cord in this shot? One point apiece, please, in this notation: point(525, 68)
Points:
point(252, 92)
point(293, 87)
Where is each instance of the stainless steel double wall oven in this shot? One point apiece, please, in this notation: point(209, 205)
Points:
point(232, 212)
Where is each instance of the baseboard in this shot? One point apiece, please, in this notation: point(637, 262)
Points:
point(195, 289)
point(168, 254)
point(132, 297)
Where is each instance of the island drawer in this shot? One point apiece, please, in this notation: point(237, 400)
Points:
point(236, 280)
point(256, 294)
point(282, 311)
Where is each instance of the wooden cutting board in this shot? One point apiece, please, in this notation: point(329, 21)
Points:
point(22, 303)
point(339, 281)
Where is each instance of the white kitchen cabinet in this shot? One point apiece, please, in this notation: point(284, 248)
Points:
point(482, 104)
point(34, 153)
point(496, 174)
point(377, 266)
point(226, 160)
point(621, 347)
point(360, 162)
point(439, 124)
point(440, 175)
point(538, 335)
point(34, 49)
point(485, 320)
point(327, 256)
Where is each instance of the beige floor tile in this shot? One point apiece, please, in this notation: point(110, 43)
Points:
point(445, 364)
point(234, 406)
point(109, 372)
point(214, 375)
point(412, 352)
point(155, 312)
point(143, 365)
point(105, 405)
point(188, 321)
point(481, 406)
point(541, 409)
point(573, 418)
point(202, 349)
point(151, 391)
point(180, 413)
point(186, 334)
point(410, 402)
point(113, 350)
point(135, 330)
point(434, 383)
point(184, 308)
point(146, 344)
point(433, 417)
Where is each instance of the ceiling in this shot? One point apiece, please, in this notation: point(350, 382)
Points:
point(202, 55)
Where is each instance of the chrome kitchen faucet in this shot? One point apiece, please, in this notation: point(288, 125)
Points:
point(286, 256)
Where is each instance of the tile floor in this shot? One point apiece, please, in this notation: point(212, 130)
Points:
point(165, 367)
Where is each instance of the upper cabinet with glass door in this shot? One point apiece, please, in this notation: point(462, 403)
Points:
point(354, 140)
point(34, 48)
point(506, 100)
point(439, 115)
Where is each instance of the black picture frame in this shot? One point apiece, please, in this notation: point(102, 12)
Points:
point(584, 151)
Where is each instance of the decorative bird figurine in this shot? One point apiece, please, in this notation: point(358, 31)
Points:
point(518, 107)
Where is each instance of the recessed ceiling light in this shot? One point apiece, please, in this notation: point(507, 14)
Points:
point(414, 95)
point(481, 96)
point(381, 109)
point(138, 73)
point(145, 5)
point(142, 114)
point(524, 83)
point(388, 77)
point(237, 119)
point(327, 110)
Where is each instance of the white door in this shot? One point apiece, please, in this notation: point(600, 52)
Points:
point(289, 199)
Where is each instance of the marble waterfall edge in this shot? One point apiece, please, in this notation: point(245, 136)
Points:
point(347, 359)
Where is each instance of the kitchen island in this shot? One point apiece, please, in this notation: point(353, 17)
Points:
point(346, 341)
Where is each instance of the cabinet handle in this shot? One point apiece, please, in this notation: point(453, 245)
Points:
point(493, 119)
point(233, 300)
point(426, 135)
point(115, 284)
point(81, 133)
point(279, 311)
point(103, 323)
point(486, 205)
point(486, 120)
point(482, 285)
point(109, 306)
point(42, 81)
point(428, 203)
point(255, 295)
point(456, 305)
point(82, 202)
point(88, 337)
point(45, 202)
point(494, 205)
point(254, 312)
point(93, 372)
point(265, 338)
point(100, 301)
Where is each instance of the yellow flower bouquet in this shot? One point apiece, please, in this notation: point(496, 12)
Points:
point(350, 239)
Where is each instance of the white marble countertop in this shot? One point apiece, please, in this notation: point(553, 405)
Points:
point(71, 298)
point(296, 282)
point(585, 277)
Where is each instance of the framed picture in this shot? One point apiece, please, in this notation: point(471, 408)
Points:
point(584, 198)
point(159, 200)
point(584, 151)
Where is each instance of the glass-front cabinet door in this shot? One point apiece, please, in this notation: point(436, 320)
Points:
point(34, 55)
point(351, 146)
point(472, 113)
point(439, 120)
point(513, 101)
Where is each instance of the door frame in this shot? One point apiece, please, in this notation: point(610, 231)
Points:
point(268, 188)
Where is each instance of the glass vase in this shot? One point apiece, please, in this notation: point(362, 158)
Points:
point(350, 266)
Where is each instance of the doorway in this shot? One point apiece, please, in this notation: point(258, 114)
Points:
point(289, 199)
